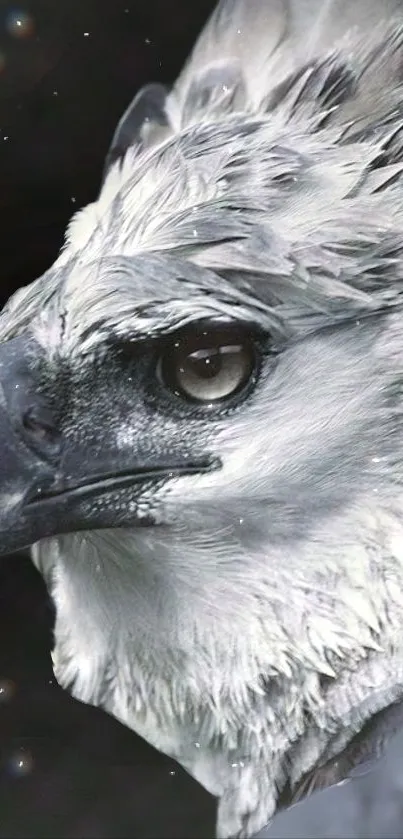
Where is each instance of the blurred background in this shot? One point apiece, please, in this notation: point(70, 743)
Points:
point(68, 69)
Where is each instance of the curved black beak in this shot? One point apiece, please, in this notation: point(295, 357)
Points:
point(27, 449)
point(48, 486)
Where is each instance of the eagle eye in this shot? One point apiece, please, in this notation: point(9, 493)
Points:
point(208, 367)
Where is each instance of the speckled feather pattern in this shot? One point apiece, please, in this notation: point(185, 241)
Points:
point(254, 633)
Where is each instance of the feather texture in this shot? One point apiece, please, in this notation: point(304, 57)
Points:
point(298, 120)
point(255, 633)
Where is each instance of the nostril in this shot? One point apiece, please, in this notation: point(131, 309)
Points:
point(39, 427)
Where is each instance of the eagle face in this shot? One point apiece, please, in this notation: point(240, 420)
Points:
point(183, 417)
point(200, 408)
point(105, 432)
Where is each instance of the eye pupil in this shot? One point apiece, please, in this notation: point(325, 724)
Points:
point(208, 367)
point(206, 364)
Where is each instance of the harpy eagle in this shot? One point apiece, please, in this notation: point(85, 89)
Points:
point(201, 409)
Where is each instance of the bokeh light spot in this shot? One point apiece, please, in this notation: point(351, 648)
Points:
point(7, 690)
point(20, 24)
point(20, 763)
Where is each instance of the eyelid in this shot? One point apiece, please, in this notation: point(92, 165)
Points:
point(197, 331)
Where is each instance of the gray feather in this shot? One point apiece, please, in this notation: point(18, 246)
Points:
point(144, 123)
point(258, 630)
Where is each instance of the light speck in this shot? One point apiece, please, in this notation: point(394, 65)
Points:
point(20, 24)
point(7, 690)
point(20, 763)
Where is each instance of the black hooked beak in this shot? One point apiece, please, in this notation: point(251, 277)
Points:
point(46, 488)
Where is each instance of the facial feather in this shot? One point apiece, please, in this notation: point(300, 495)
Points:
point(254, 630)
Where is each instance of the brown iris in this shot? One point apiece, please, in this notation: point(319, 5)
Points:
point(208, 367)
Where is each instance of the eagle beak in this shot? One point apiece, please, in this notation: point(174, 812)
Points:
point(30, 449)
point(47, 485)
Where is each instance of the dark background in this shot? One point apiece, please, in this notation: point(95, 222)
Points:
point(68, 69)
